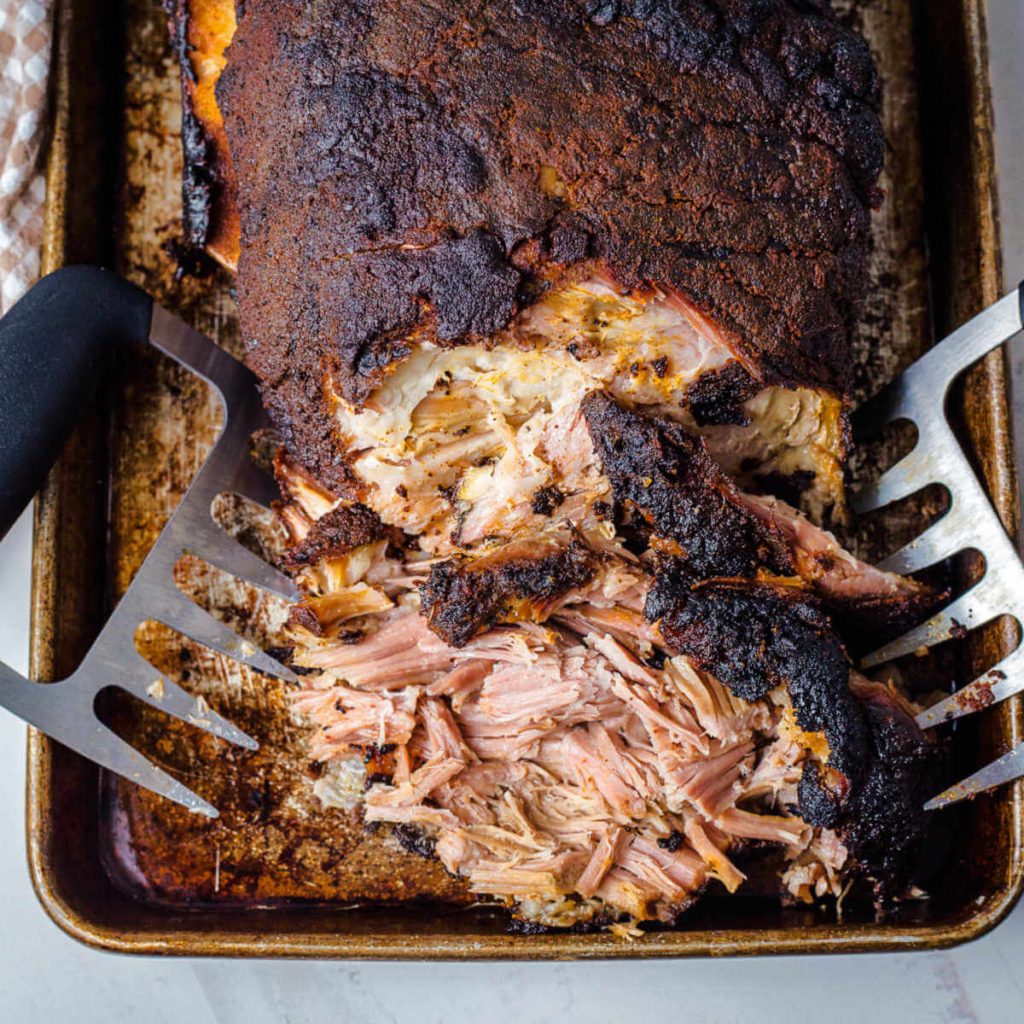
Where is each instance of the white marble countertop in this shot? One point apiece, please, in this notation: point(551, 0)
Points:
point(46, 976)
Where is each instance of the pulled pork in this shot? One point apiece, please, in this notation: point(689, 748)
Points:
point(590, 732)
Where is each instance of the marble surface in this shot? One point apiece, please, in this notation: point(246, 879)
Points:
point(46, 976)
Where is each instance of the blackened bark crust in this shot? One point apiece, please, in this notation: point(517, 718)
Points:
point(667, 475)
point(464, 595)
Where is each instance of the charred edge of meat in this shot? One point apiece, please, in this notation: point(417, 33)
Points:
point(717, 397)
point(817, 804)
point(463, 596)
point(377, 751)
point(524, 926)
point(283, 655)
point(300, 412)
point(667, 474)
point(546, 500)
point(188, 259)
point(673, 841)
point(884, 823)
point(867, 622)
point(754, 636)
point(200, 183)
point(338, 532)
point(414, 840)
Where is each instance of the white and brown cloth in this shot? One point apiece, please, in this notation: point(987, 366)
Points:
point(25, 41)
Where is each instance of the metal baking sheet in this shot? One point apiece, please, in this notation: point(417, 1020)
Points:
point(274, 876)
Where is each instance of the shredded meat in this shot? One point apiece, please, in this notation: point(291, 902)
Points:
point(564, 761)
point(873, 780)
point(556, 744)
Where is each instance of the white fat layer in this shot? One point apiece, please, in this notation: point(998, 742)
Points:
point(341, 784)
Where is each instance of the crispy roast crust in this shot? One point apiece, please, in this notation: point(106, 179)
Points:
point(666, 474)
point(885, 820)
point(464, 596)
point(757, 635)
point(200, 32)
point(337, 533)
point(413, 171)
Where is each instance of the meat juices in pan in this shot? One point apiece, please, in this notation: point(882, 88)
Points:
point(544, 301)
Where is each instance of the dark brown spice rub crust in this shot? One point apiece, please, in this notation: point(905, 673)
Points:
point(754, 636)
point(717, 396)
point(666, 473)
point(410, 170)
point(885, 822)
point(464, 596)
point(338, 532)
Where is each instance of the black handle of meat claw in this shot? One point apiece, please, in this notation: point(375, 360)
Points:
point(53, 345)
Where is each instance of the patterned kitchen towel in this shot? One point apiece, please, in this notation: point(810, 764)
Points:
point(25, 33)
